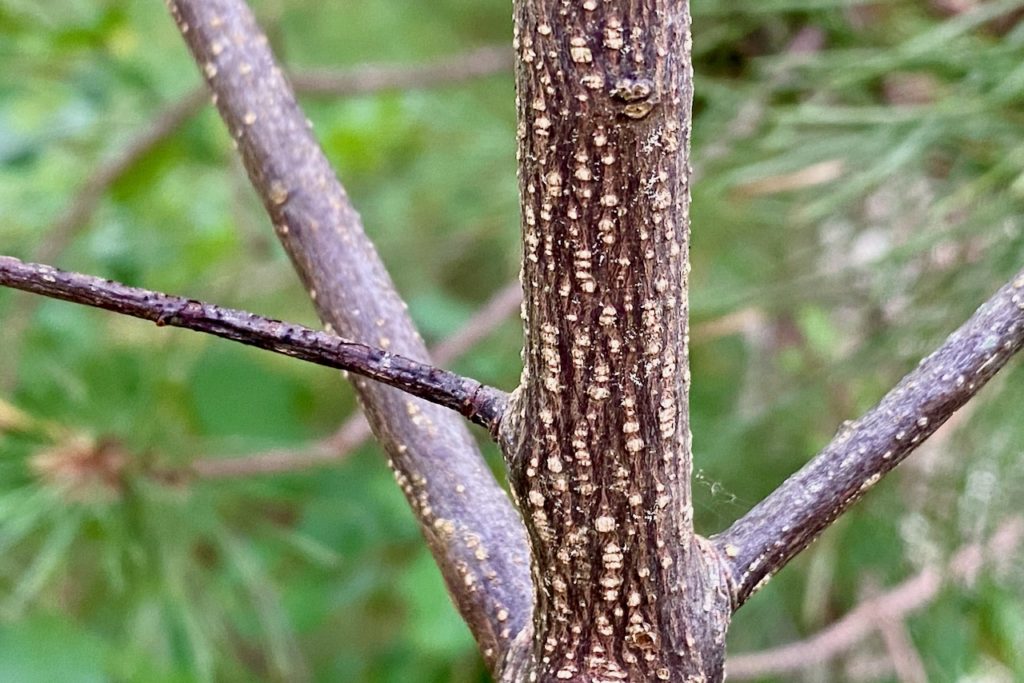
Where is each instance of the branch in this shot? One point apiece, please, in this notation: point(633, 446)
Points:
point(868, 616)
point(481, 404)
point(785, 522)
point(355, 430)
point(361, 79)
point(485, 61)
point(906, 660)
point(356, 80)
point(472, 529)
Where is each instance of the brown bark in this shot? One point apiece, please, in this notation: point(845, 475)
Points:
point(597, 435)
point(472, 529)
point(863, 451)
point(481, 404)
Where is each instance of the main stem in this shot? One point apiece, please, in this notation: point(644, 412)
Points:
point(598, 434)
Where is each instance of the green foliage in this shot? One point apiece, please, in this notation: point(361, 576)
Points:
point(856, 198)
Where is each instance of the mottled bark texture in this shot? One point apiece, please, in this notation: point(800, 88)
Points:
point(472, 529)
point(597, 435)
point(863, 451)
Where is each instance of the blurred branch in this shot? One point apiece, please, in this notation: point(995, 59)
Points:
point(82, 207)
point(481, 404)
point(868, 616)
point(355, 430)
point(784, 523)
point(78, 213)
point(367, 78)
point(436, 461)
point(356, 80)
point(905, 658)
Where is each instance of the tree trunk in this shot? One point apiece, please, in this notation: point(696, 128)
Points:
point(597, 436)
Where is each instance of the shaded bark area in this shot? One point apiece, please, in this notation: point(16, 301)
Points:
point(779, 527)
point(472, 529)
point(597, 435)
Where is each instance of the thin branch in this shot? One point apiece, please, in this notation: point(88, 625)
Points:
point(906, 660)
point(897, 603)
point(479, 63)
point(337, 82)
point(471, 527)
point(481, 404)
point(792, 516)
point(356, 80)
point(356, 430)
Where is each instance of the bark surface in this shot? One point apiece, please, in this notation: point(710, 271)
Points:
point(597, 435)
point(865, 450)
point(472, 530)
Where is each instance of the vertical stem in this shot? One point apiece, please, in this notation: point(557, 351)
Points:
point(598, 436)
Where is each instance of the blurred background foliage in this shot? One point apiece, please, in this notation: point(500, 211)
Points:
point(859, 185)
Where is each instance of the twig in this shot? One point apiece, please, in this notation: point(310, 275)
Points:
point(361, 79)
point(906, 660)
point(785, 522)
point(481, 404)
point(356, 430)
point(485, 61)
point(82, 206)
point(907, 597)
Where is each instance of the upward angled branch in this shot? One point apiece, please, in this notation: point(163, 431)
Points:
point(474, 533)
point(785, 522)
point(481, 404)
